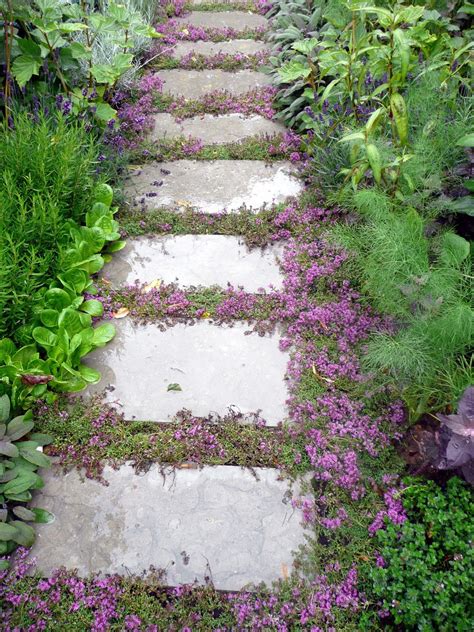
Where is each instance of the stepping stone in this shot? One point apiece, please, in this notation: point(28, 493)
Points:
point(217, 367)
point(193, 84)
point(220, 522)
point(238, 20)
point(209, 49)
point(215, 130)
point(212, 186)
point(195, 260)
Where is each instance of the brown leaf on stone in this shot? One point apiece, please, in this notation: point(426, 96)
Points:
point(152, 285)
point(34, 380)
point(284, 571)
point(121, 313)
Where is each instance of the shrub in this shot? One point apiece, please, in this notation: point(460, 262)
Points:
point(427, 582)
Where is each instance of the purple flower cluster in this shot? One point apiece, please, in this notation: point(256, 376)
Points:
point(174, 31)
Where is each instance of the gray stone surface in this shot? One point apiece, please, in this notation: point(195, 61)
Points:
point(192, 84)
point(195, 260)
point(215, 130)
point(220, 19)
point(232, 47)
point(221, 522)
point(217, 368)
point(212, 186)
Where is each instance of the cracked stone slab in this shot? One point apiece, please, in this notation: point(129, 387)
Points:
point(221, 522)
point(239, 20)
point(193, 84)
point(195, 260)
point(215, 130)
point(212, 186)
point(209, 49)
point(218, 368)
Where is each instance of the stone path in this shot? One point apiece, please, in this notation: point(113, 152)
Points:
point(229, 524)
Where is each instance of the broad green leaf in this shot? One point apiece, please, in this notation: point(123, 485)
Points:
point(35, 456)
point(466, 141)
point(104, 194)
point(455, 249)
point(104, 112)
point(294, 70)
point(19, 427)
point(90, 375)
point(174, 387)
point(93, 307)
point(103, 334)
point(305, 46)
point(351, 137)
point(8, 449)
point(116, 246)
point(49, 317)
point(24, 67)
point(57, 298)
point(7, 531)
point(44, 337)
point(74, 280)
point(22, 483)
point(25, 535)
point(23, 513)
point(41, 438)
point(42, 516)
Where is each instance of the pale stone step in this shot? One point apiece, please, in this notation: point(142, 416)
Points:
point(212, 186)
point(193, 84)
point(238, 20)
point(209, 49)
point(215, 130)
point(217, 368)
point(223, 522)
point(196, 260)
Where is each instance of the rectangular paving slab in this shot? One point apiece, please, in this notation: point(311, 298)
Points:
point(193, 84)
point(195, 260)
point(239, 20)
point(216, 367)
point(231, 47)
point(215, 130)
point(225, 523)
point(212, 186)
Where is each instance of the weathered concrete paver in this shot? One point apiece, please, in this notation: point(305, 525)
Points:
point(220, 19)
point(195, 260)
point(231, 47)
point(215, 130)
point(192, 84)
point(212, 186)
point(220, 522)
point(217, 367)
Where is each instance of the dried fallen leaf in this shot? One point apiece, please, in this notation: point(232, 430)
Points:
point(152, 285)
point(121, 313)
point(321, 377)
point(284, 571)
point(184, 203)
point(174, 387)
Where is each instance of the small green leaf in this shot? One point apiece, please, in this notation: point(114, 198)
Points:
point(25, 535)
point(174, 387)
point(42, 516)
point(24, 514)
point(35, 456)
point(103, 334)
point(8, 449)
point(19, 427)
point(4, 408)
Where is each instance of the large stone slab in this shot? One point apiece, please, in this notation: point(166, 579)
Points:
point(218, 522)
point(212, 186)
point(239, 20)
point(195, 260)
point(215, 130)
point(193, 84)
point(231, 47)
point(216, 367)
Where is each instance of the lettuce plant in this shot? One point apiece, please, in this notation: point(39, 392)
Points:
point(62, 332)
point(19, 462)
point(457, 437)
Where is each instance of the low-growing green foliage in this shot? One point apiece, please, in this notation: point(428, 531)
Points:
point(427, 580)
point(19, 461)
